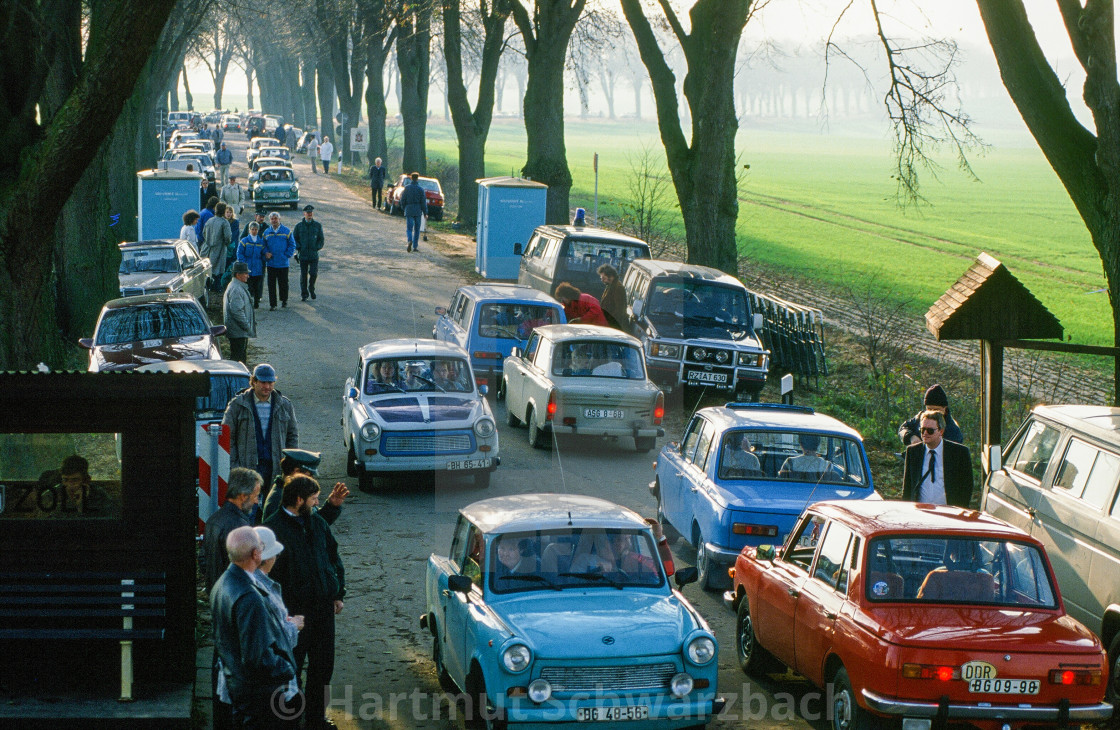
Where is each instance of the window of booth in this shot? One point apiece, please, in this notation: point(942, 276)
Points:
point(69, 476)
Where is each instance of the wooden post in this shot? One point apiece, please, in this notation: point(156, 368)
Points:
point(126, 645)
point(991, 400)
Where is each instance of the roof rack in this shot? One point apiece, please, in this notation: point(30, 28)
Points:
point(741, 406)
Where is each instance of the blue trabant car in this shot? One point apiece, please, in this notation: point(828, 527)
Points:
point(555, 609)
point(413, 406)
point(489, 320)
point(742, 474)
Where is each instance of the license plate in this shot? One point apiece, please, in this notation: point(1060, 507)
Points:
point(611, 714)
point(469, 464)
point(602, 413)
point(702, 376)
point(1004, 686)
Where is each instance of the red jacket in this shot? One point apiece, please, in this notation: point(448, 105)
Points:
point(585, 310)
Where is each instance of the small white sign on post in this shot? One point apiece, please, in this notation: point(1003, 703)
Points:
point(359, 139)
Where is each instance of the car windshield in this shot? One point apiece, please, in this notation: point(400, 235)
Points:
point(151, 322)
point(933, 569)
point(513, 321)
point(149, 261)
point(723, 306)
point(278, 152)
point(409, 375)
point(597, 359)
point(573, 557)
point(432, 185)
point(791, 456)
point(275, 175)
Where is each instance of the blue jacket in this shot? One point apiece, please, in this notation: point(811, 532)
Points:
point(414, 200)
point(251, 250)
point(207, 214)
point(224, 157)
point(280, 244)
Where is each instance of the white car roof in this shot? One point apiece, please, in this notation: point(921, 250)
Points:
point(549, 511)
point(563, 332)
point(778, 417)
point(404, 348)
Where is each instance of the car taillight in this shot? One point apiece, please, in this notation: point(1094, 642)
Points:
point(487, 355)
point(659, 409)
point(550, 409)
point(1075, 676)
point(741, 528)
point(930, 671)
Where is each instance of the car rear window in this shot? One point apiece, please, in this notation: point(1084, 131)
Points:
point(151, 322)
point(513, 321)
point(791, 456)
point(971, 570)
point(148, 260)
point(597, 359)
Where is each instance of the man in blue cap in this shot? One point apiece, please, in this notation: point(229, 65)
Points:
point(262, 423)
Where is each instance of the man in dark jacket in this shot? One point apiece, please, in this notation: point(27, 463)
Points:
point(937, 471)
point(248, 636)
point(308, 236)
point(206, 190)
point(311, 574)
point(242, 494)
point(377, 175)
point(935, 400)
point(300, 462)
point(414, 203)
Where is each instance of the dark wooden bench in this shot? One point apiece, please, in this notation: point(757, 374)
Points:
point(88, 604)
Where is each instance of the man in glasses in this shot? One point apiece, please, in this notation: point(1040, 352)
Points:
point(937, 471)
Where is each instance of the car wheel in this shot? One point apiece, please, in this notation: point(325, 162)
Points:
point(204, 300)
point(1112, 692)
point(294, 205)
point(753, 659)
point(667, 528)
point(353, 469)
point(846, 713)
point(482, 480)
point(536, 435)
point(365, 480)
point(480, 713)
point(500, 390)
point(445, 682)
point(511, 418)
point(708, 569)
point(645, 444)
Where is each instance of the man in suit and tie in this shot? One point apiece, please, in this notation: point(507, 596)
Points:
point(937, 471)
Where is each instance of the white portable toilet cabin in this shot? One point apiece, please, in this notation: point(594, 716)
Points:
point(509, 210)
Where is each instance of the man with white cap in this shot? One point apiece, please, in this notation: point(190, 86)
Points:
point(292, 624)
point(262, 423)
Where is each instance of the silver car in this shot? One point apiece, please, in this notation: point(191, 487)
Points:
point(582, 379)
point(163, 266)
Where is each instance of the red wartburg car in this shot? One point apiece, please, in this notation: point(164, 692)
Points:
point(914, 611)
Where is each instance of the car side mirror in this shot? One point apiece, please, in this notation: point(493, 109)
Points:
point(765, 552)
point(517, 249)
point(441, 311)
point(460, 584)
point(515, 352)
point(352, 394)
point(483, 389)
point(86, 342)
point(218, 330)
point(757, 322)
point(636, 308)
point(684, 576)
point(995, 458)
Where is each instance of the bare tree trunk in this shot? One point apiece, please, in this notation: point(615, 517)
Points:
point(414, 62)
point(249, 86)
point(187, 91)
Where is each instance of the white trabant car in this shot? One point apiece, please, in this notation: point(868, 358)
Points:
point(582, 379)
point(413, 406)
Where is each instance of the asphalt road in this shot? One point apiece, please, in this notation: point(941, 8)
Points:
point(370, 289)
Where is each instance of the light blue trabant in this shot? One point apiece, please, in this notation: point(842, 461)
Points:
point(555, 608)
point(413, 406)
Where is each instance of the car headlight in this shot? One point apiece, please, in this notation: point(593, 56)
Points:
point(700, 353)
point(750, 359)
point(540, 690)
point(516, 658)
point(295, 188)
point(680, 685)
point(658, 349)
point(484, 428)
point(370, 431)
point(701, 650)
point(722, 357)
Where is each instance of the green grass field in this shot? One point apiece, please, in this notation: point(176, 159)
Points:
point(824, 207)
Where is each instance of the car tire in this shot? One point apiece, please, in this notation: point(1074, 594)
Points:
point(365, 481)
point(482, 479)
point(708, 569)
point(353, 469)
point(204, 300)
point(645, 444)
point(753, 659)
point(480, 713)
point(1112, 692)
point(500, 390)
point(445, 682)
point(294, 205)
point(667, 528)
point(511, 418)
point(846, 712)
point(537, 438)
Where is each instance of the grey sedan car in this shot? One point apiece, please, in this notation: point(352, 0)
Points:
point(163, 266)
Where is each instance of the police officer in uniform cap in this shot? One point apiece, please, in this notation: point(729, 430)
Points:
point(296, 462)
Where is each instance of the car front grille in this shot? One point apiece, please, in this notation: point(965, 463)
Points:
point(610, 679)
point(427, 443)
point(711, 356)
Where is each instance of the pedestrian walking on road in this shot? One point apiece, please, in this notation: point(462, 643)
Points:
point(248, 637)
point(233, 195)
point(216, 235)
point(414, 203)
point(326, 149)
point(311, 574)
point(262, 423)
point(290, 138)
point(239, 314)
point(308, 236)
point(224, 158)
point(250, 250)
point(205, 215)
point(313, 152)
point(613, 300)
point(936, 470)
point(935, 399)
point(278, 249)
point(377, 176)
point(206, 190)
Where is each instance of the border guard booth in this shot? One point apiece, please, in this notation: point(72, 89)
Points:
point(509, 210)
